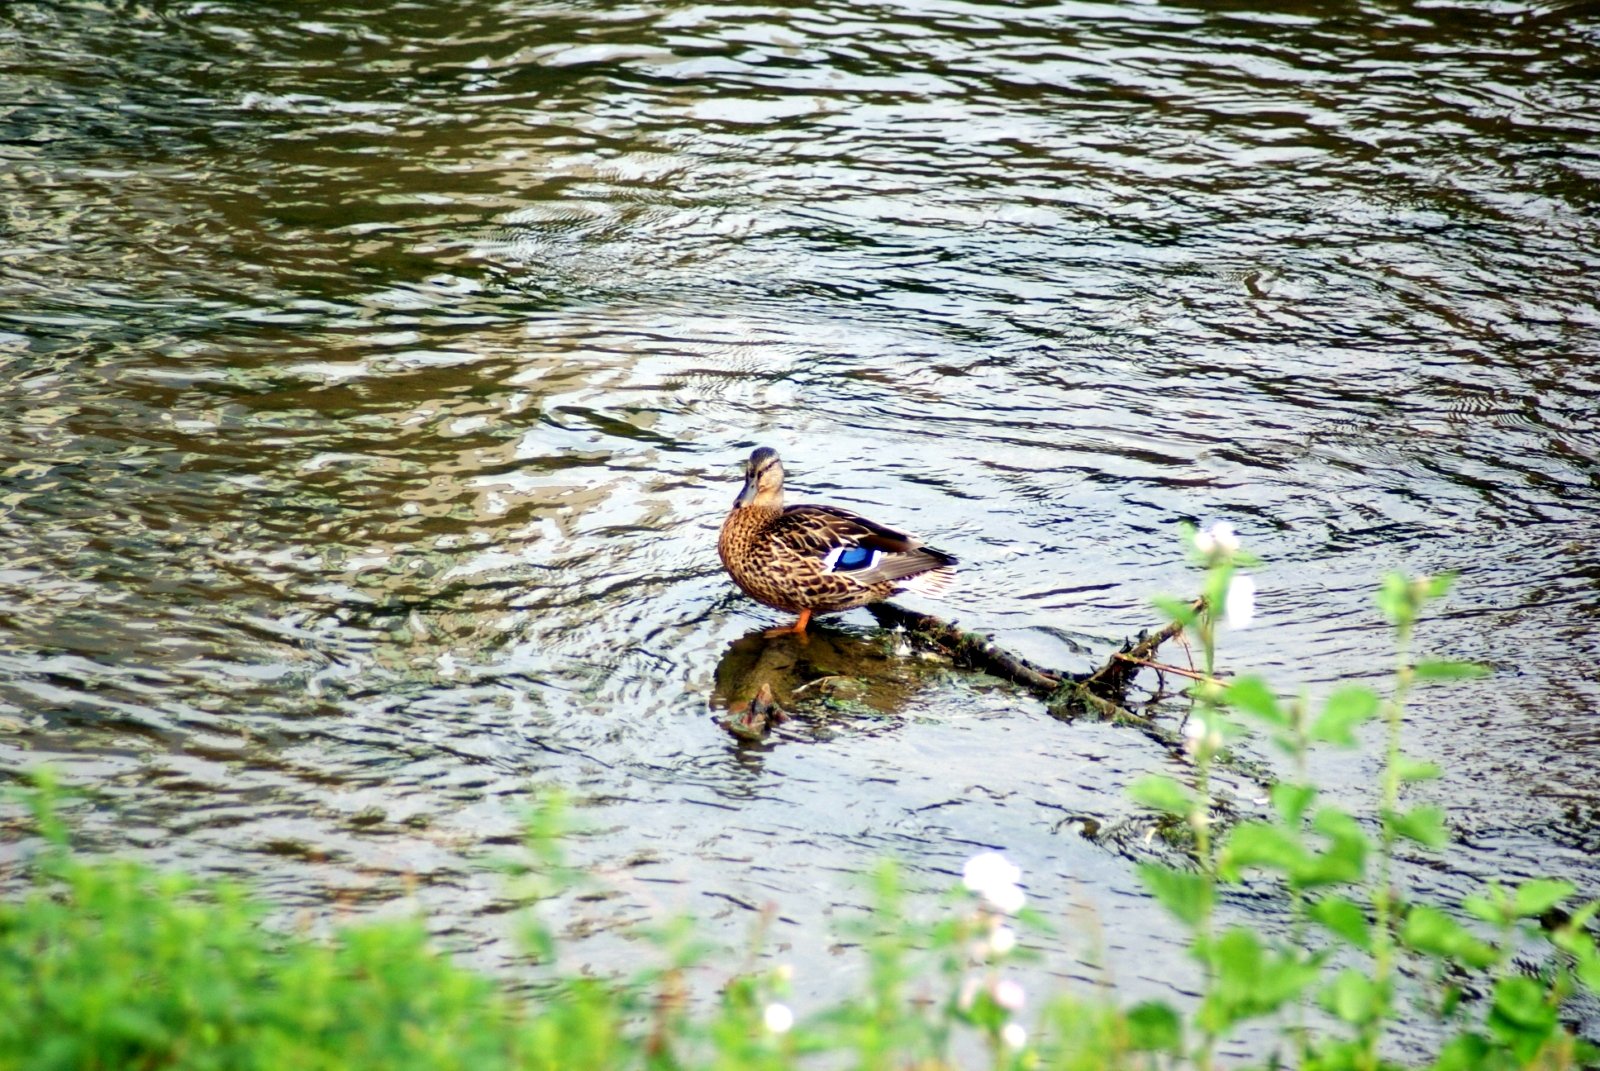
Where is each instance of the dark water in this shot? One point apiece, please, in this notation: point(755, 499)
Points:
point(373, 381)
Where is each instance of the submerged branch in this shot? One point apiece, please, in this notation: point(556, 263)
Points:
point(1101, 692)
point(967, 648)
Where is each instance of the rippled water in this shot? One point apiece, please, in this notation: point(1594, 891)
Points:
point(372, 384)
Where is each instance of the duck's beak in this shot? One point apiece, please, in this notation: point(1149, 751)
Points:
point(747, 494)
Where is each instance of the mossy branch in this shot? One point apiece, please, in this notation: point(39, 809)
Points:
point(1101, 692)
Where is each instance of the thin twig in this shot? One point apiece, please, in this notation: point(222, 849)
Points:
point(814, 682)
point(1164, 667)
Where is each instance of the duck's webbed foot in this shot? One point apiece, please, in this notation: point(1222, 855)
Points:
point(796, 629)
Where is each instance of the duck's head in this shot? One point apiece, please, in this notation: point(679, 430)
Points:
point(763, 481)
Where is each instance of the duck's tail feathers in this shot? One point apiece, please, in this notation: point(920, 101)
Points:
point(935, 583)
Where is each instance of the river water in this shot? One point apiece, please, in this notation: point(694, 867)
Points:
point(373, 381)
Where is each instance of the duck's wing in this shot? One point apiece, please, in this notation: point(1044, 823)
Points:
point(849, 545)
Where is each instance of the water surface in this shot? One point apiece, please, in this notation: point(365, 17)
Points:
point(373, 382)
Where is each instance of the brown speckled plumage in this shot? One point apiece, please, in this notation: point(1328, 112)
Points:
point(818, 559)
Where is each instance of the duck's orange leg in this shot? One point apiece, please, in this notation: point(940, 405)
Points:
point(796, 629)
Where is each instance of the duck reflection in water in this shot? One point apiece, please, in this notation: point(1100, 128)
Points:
point(760, 675)
point(810, 559)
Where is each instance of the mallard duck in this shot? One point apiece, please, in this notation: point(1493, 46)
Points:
point(819, 559)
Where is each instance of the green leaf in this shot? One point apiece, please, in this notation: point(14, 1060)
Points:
point(1186, 895)
point(1339, 865)
point(1572, 936)
point(1535, 897)
point(1354, 997)
point(1177, 610)
point(1410, 770)
point(1395, 601)
point(1155, 1027)
point(1261, 845)
point(1249, 979)
point(1346, 856)
point(1464, 1052)
point(1580, 918)
point(1521, 1006)
point(1235, 955)
point(1162, 793)
point(1450, 1001)
point(1216, 589)
point(1589, 971)
point(1291, 801)
point(1574, 941)
point(1425, 825)
point(1344, 918)
point(1252, 696)
point(1401, 599)
point(1433, 933)
point(539, 941)
point(1492, 906)
point(1345, 709)
point(1439, 584)
point(1432, 669)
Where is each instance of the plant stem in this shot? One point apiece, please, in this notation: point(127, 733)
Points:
point(1383, 954)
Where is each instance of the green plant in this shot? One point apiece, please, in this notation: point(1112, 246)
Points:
point(1352, 929)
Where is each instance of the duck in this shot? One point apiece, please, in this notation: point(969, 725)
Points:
point(812, 559)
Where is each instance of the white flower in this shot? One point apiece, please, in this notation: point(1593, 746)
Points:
point(1220, 536)
point(1002, 940)
point(1009, 994)
point(1197, 734)
point(1015, 1035)
point(988, 869)
point(1239, 607)
point(968, 994)
point(778, 1018)
point(1007, 899)
point(993, 878)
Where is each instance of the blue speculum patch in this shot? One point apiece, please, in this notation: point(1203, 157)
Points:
point(853, 558)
